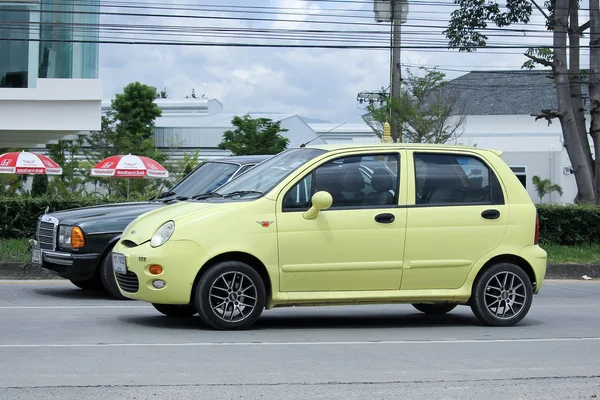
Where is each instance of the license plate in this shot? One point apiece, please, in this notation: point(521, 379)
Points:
point(119, 265)
point(36, 256)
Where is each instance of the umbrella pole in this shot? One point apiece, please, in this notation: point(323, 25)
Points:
point(128, 188)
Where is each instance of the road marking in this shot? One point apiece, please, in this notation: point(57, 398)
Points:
point(340, 343)
point(63, 307)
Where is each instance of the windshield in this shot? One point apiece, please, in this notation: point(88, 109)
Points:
point(206, 178)
point(267, 174)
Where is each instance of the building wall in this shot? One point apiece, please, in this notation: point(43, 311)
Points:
point(39, 101)
point(534, 145)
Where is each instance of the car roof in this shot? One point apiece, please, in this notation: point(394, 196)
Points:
point(253, 159)
point(356, 146)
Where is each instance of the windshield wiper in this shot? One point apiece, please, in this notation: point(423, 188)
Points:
point(242, 192)
point(206, 195)
point(165, 194)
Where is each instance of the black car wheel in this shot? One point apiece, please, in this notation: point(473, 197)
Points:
point(435, 309)
point(93, 283)
point(230, 296)
point(108, 277)
point(502, 295)
point(176, 310)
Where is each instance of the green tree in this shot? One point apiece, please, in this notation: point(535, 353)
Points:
point(163, 94)
point(544, 187)
point(427, 110)
point(39, 186)
point(63, 154)
point(465, 32)
point(253, 136)
point(127, 129)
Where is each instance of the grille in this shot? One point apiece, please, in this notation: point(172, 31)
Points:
point(129, 282)
point(46, 235)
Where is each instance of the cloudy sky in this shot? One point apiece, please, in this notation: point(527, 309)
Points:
point(318, 83)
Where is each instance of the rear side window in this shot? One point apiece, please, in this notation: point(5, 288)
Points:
point(455, 179)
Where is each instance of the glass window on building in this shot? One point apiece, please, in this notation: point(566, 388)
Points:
point(64, 24)
point(14, 52)
point(521, 173)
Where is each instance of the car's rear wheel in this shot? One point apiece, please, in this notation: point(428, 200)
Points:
point(434, 309)
point(230, 296)
point(107, 275)
point(502, 295)
point(172, 310)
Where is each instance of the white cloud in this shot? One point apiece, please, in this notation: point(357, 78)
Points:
point(318, 83)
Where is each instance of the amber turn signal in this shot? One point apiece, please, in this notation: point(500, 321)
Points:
point(155, 269)
point(77, 238)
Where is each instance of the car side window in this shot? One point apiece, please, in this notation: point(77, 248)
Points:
point(353, 182)
point(450, 179)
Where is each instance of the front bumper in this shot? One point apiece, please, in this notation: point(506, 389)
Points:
point(180, 259)
point(76, 267)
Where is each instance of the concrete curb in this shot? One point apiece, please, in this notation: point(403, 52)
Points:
point(573, 271)
point(15, 270)
point(554, 271)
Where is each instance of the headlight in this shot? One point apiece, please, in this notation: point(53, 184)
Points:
point(162, 234)
point(71, 237)
point(64, 236)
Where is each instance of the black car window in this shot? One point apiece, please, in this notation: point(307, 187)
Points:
point(353, 182)
point(447, 179)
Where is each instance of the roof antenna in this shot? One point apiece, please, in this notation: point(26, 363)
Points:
point(318, 136)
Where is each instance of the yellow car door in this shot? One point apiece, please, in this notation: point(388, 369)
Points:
point(357, 243)
point(458, 214)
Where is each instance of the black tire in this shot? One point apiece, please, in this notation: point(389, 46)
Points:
point(435, 309)
point(171, 310)
point(92, 283)
point(108, 277)
point(513, 296)
point(221, 276)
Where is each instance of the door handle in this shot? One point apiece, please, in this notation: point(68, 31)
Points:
point(385, 218)
point(491, 214)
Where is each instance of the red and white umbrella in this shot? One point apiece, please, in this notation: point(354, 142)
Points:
point(26, 163)
point(129, 166)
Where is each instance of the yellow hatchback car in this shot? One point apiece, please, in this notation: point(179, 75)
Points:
point(434, 226)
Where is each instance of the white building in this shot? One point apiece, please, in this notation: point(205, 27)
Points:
point(199, 124)
point(500, 104)
point(48, 86)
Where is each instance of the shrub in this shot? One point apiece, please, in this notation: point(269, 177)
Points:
point(569, 225)
point(18, 215)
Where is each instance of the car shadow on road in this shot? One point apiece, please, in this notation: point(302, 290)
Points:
point(73, 293)
point(328, 320)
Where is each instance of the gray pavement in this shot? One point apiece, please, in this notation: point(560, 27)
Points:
point(56, 342)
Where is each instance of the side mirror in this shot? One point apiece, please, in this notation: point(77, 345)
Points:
point(320, 201)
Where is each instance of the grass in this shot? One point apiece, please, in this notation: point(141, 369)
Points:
point(583, 254)
point(16, 250)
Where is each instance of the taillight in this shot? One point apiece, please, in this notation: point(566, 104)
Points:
point(536, 238)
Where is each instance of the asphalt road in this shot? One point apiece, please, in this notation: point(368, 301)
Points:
point(56, 342)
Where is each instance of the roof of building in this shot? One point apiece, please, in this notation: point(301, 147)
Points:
point(509, 92)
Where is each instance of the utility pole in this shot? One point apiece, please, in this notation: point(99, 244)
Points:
point(395, 12)
point(396, 67)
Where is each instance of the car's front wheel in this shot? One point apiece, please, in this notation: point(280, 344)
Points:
point(231, 295)
point(176, 310)
point(502, 295)
point(434, 309)
point(109, 281)
point(92, 283)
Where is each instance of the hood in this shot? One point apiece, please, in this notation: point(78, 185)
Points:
point(105, 218)
point(144, 228)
